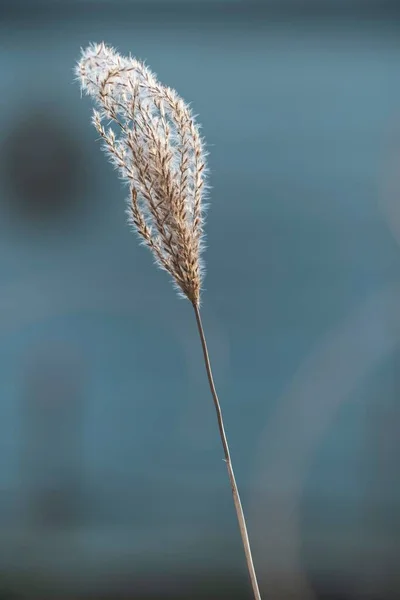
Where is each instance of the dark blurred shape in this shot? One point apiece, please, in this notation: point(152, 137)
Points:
point(41, 165)
point(52, 419)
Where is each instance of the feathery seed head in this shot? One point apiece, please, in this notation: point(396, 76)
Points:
point(158, 151)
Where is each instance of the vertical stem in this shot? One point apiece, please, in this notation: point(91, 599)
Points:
point(235, 491)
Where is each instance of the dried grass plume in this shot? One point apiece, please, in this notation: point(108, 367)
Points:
point(157, 148)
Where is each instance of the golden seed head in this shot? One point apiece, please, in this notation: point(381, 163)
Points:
point(157, 148)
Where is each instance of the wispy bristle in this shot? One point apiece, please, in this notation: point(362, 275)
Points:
point(158, 150)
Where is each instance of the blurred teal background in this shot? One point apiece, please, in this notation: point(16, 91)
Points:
point(112, 482)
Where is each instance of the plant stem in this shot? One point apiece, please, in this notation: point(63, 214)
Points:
point(235, 491)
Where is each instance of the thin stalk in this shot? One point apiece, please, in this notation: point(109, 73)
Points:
point(235, 490)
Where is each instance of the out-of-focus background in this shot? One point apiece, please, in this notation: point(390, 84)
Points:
point(112, 483)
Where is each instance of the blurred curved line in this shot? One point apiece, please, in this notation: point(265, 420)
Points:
point(390, 186)
point(344, 358)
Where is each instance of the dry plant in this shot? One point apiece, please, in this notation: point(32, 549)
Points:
point(158, 151)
